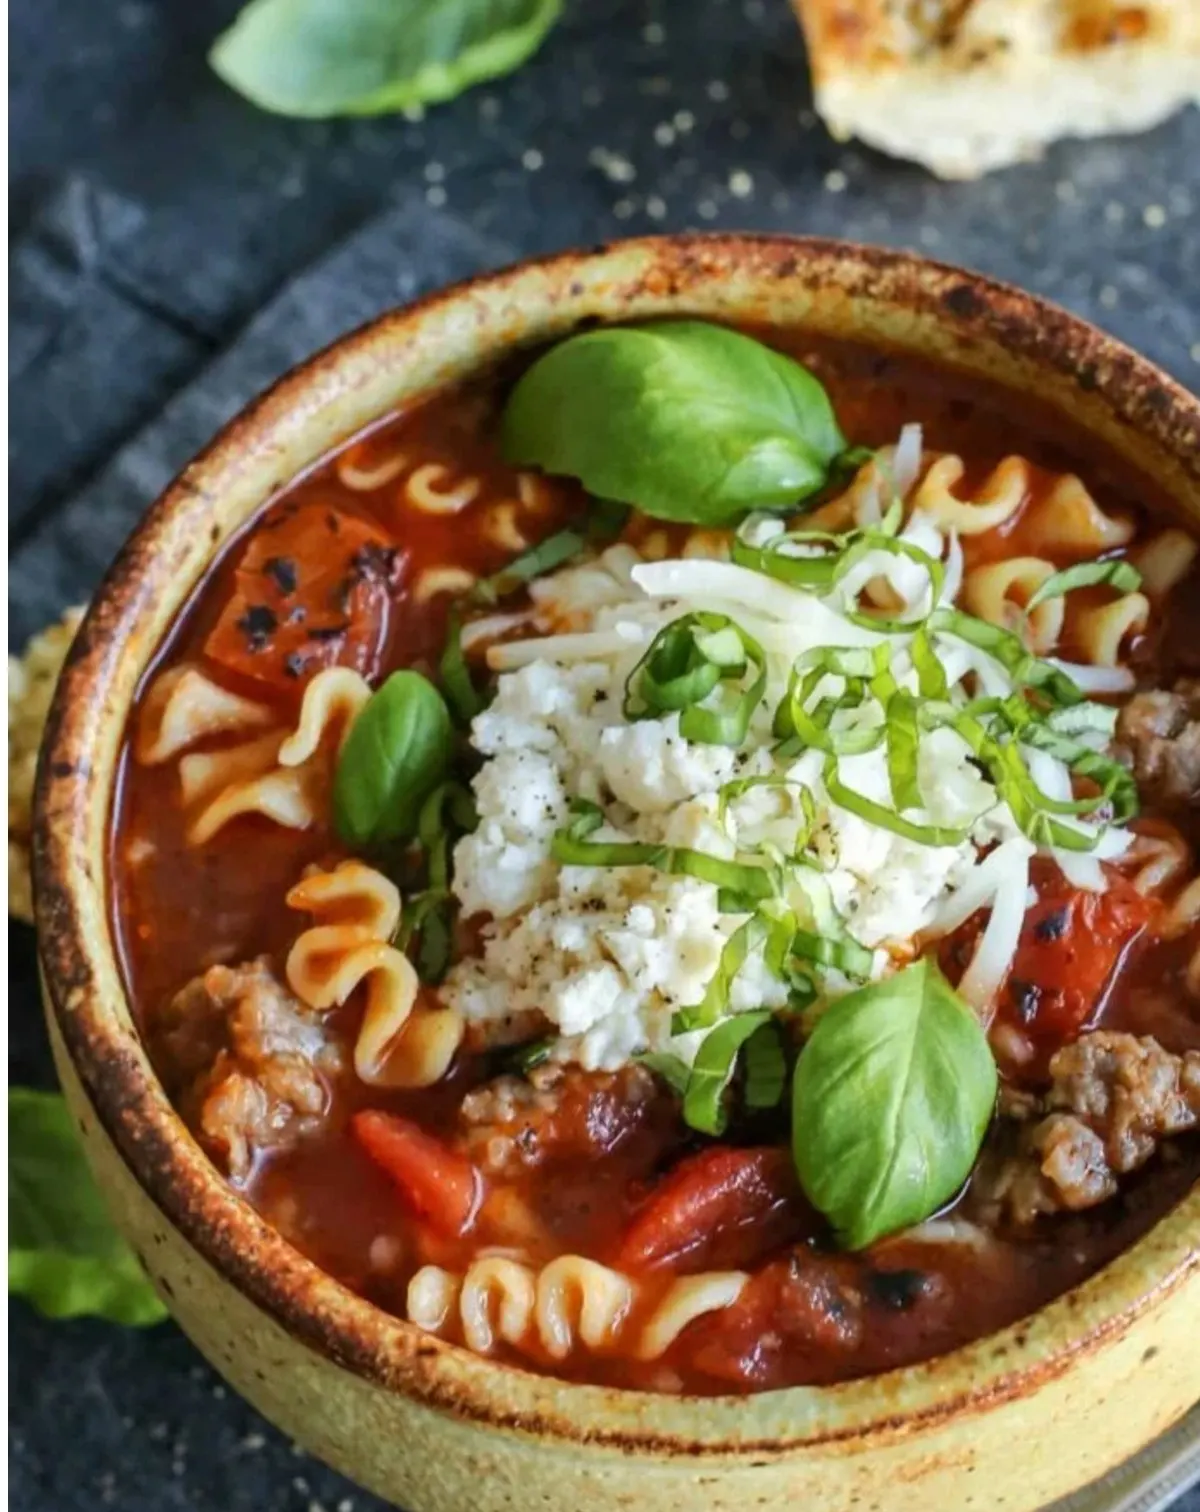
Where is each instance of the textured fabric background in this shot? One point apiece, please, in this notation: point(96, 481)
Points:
point(174, 251)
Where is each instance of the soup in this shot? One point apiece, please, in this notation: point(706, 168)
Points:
point(736, 936)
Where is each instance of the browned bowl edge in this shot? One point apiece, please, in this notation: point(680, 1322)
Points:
point(226, 1230)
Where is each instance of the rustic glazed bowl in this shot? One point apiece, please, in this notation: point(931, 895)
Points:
point(1012, 1421)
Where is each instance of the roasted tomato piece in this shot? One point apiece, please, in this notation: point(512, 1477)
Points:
point(723, 1206)
point(312, 590)
point(439, 1186)
point(1071, 944)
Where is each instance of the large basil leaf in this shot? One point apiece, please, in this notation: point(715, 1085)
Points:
point(64, 1255)
point(891, 1099)
point(363, 57)
point(397, 752)
point(688, 421)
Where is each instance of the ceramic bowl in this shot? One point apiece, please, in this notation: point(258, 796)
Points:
point(1012, 1421)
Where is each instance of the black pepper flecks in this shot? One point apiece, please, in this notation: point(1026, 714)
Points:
point(282, 572)
point(328, 632)
point(1052, 927)
point(1025, 998)
point(294, 664)
point(897, 1290)
point(258, 624)
point(373, 563)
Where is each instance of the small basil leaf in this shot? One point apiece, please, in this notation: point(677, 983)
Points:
point(672, 1068)
point(688, 421)
point(704, 1101)
point(891, 1099)
point(64, 1255)
point(397, 752)
point(1118, 574)
point(319, 58)
point(766, 1067)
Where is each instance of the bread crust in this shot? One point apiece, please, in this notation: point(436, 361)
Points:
point(964, 86)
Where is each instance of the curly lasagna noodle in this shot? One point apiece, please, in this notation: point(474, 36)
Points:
point(744, 939)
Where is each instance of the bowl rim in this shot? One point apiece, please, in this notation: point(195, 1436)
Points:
point(221, 1225)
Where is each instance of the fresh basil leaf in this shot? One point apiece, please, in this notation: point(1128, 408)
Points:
point(397, 752)
point(523, 1059)
point(891, 1099)
point(1118, 574)
point(465, 698)
point(319, 58)
point(64, 1255)
point(704, 1101)
point(672, 1068)
point(766, 1067)
point(687, 421)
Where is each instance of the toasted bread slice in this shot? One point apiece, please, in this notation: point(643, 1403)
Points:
point(964, 86)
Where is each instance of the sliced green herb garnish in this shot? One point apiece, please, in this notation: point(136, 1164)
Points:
point(572, 847)
point(1118, 574)
point(687, 662)
point(765, 1066)
point(704, 1107)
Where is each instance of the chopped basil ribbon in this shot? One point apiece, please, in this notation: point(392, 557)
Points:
point(903, 744)
point(605, 522)
point(686, 662)
point(931, 675)
point(427, 921)
point(812, 728)
point(463, 696)
point(522, 1059)
point(1118, 574)
point(730, 792)
point(877, 540)
point(1025, 669)
point(571, 847)
point(674, 1070)
point(829, 558)
point(886, 818)
point(766, 1067)
point(704, 1101)
point(842, 954)
point(756, 932)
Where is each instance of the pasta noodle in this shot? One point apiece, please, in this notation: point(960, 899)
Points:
point(185, 707)
point(424, 492)
point(535, 494)
point(994, 503)
point(1164, 561)
point(366, 479)
point(501, 528)
point(435, 580)
point(1160, 855)
point(400, 1043)
point(1102, 631)
point(688, 1299)
point(284, 777)
point(1066, 519)
point(998, 592)
point(571, 1303)
point(580, 1299)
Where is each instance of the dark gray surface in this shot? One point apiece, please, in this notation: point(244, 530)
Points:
point(154, 213)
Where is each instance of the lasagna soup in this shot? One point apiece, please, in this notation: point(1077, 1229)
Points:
point(673, 864)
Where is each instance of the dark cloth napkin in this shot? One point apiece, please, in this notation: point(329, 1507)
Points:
point(89, 355)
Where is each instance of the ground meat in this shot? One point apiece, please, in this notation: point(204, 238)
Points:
point(248, 1063)
point(1158, 735)
point(558, 1113)
point(1113, 1099)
